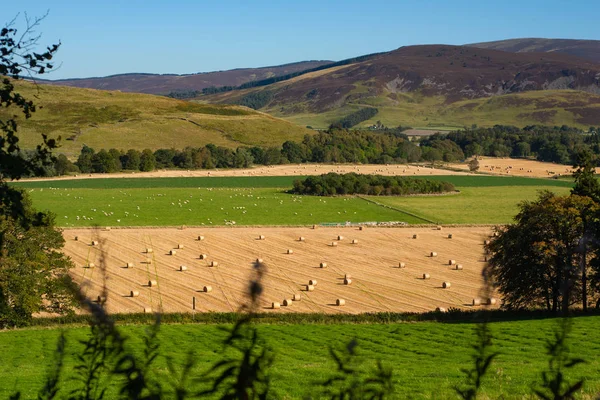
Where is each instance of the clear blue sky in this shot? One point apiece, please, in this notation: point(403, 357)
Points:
point(108, 37)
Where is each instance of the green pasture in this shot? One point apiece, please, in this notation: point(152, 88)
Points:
point(264, 201)
point(473, 205)
point(426, 357)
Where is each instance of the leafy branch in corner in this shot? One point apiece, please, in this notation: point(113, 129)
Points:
point(482, 359)
point(554, 383)
point(245, 375)
point(351, 382)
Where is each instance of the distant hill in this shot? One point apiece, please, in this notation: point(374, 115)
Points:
point(104, 119)
point(163, 84)
point(437, 85)
point(588, 49)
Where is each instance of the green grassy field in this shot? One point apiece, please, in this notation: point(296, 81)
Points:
point(474, 205)
point(263, 201)
point(426, 357)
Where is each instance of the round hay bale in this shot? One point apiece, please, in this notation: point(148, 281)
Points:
point(147, 310)
point(451, 262)
point(312, 282)
point(275, 305)
point(458, 267)
point(415, 236)
point(495, 234)
point(426, 276)
point(261, 237)
point(259, 260)
point(361, 228)
point(203, 256)
point(152, 283)
point(149, 250)
point(347, 281)
point(446, 285)
point(129, 265)
point(323, 265)
point(214, 264)
point(297, 297)
point(486, 242)
point(340, 302)
point(94, 243)
point(90, 265)
point(287, 303)
point(401, 265)
point(173, 252)
point(491, 301)
point(333, 244)
point(476, 302)
point(310, 288)
point(433, 254)
point(182, 268)
point(449, 236)
point(340, 238)
point(354, 241)
point(314, 227)
point(76, 238)
point(440, 309)
point(200, 238)
point(301, 239)
point(439, 228)
point(207, 289)
point(180, 246)
point(107, 228)
point(290, 251)
point(101, 299)
point(134, 293)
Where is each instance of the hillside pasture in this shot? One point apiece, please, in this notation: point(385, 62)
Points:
point(378, 284)
point(111, 119)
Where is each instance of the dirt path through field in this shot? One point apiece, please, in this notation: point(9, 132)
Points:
point(377, 282)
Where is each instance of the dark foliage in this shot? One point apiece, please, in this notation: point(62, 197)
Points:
point(256, 100)
point(551, 144)
point(378, 185)
point(355, 118)
point(17, 57)
point(183, 94)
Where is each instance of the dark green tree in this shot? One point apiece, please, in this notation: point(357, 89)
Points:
point(536, 262)
point(586, 183)
point(133, 160)
point(147, 161)
point(84, 162)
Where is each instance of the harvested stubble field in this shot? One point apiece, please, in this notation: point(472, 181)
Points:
point(378, 284)
point(273, 170)
point(518, 167)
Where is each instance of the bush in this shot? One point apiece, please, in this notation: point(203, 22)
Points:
point(376, 185)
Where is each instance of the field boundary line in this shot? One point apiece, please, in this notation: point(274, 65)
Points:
point(395, 209)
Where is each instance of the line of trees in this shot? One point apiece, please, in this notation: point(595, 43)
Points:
point(334, 146)
point(377, 185)
point(552, 144)
point(355, 118)
point(382, 146)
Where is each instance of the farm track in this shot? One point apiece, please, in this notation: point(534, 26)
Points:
point(377, 282)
